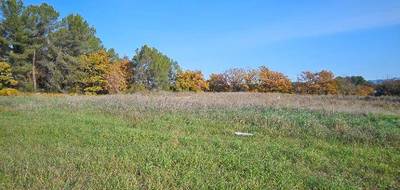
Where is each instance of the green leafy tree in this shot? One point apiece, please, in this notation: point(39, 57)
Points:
point(152, 69)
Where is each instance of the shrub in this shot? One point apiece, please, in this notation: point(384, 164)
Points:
point(9, 92)
point(6, 79)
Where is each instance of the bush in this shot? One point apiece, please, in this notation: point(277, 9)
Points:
point(9, 92)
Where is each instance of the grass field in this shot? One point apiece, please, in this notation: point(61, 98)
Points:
point(187, 141)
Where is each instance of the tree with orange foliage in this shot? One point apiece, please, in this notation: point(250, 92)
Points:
point(322, 82)
point(271, 81)
point(218, 83)
point(117, 76)
point(191, 81)
point(364, 90)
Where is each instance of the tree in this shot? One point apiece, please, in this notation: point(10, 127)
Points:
point(6, 78)
point(354, 85)
point(236, 79)
point(317, 83)
point(14, 39)
point(173, 74)
point(152, 69)
point(271, 81)
point(218, 83)
point(12, 28)
point(72, 39)
point(117, 76)
point(40, 21)
point(364, 90)
point(95, 66)
point(75, 37)
point(251, 79)
point(388, 88)
point(191, 81)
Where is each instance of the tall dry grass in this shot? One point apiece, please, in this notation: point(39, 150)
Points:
point(166, 101)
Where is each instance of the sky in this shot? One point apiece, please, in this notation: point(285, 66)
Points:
point(348, 37)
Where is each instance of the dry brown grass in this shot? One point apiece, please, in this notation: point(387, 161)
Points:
point(189, 101)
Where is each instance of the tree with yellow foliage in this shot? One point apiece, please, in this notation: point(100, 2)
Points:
point(95, 67)
point(191, 81)
point(6, 78)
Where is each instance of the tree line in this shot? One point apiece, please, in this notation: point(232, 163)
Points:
point(41, 52)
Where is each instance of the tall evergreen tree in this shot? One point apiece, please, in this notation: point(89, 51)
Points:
point(74, 37)
point(14, 39)
point(40, 21)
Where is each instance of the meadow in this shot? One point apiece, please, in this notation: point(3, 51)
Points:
point(188, 141)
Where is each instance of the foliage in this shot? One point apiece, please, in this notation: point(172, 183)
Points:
point(271, 81)
point(75, 37)
point(191, 81)
point(236, 79)
point(6, 78)
point(218, 83)
point(15, 39)
point(117, 76)
point(96, 66)
point(388, 88)
point(317, 83)
point(152, 69)
point(364, 90)
point(8, 92)
point(354, 85)
point(52, 54)
point(252, 80)
point(35, 33)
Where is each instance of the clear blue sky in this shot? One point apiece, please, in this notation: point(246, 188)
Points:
point(349, 37)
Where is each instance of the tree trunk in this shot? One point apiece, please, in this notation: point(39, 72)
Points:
point(34, 70)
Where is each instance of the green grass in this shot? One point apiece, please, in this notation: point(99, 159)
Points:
point(94, 147)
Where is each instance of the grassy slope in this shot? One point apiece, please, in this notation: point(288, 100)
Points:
point(90, 148)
